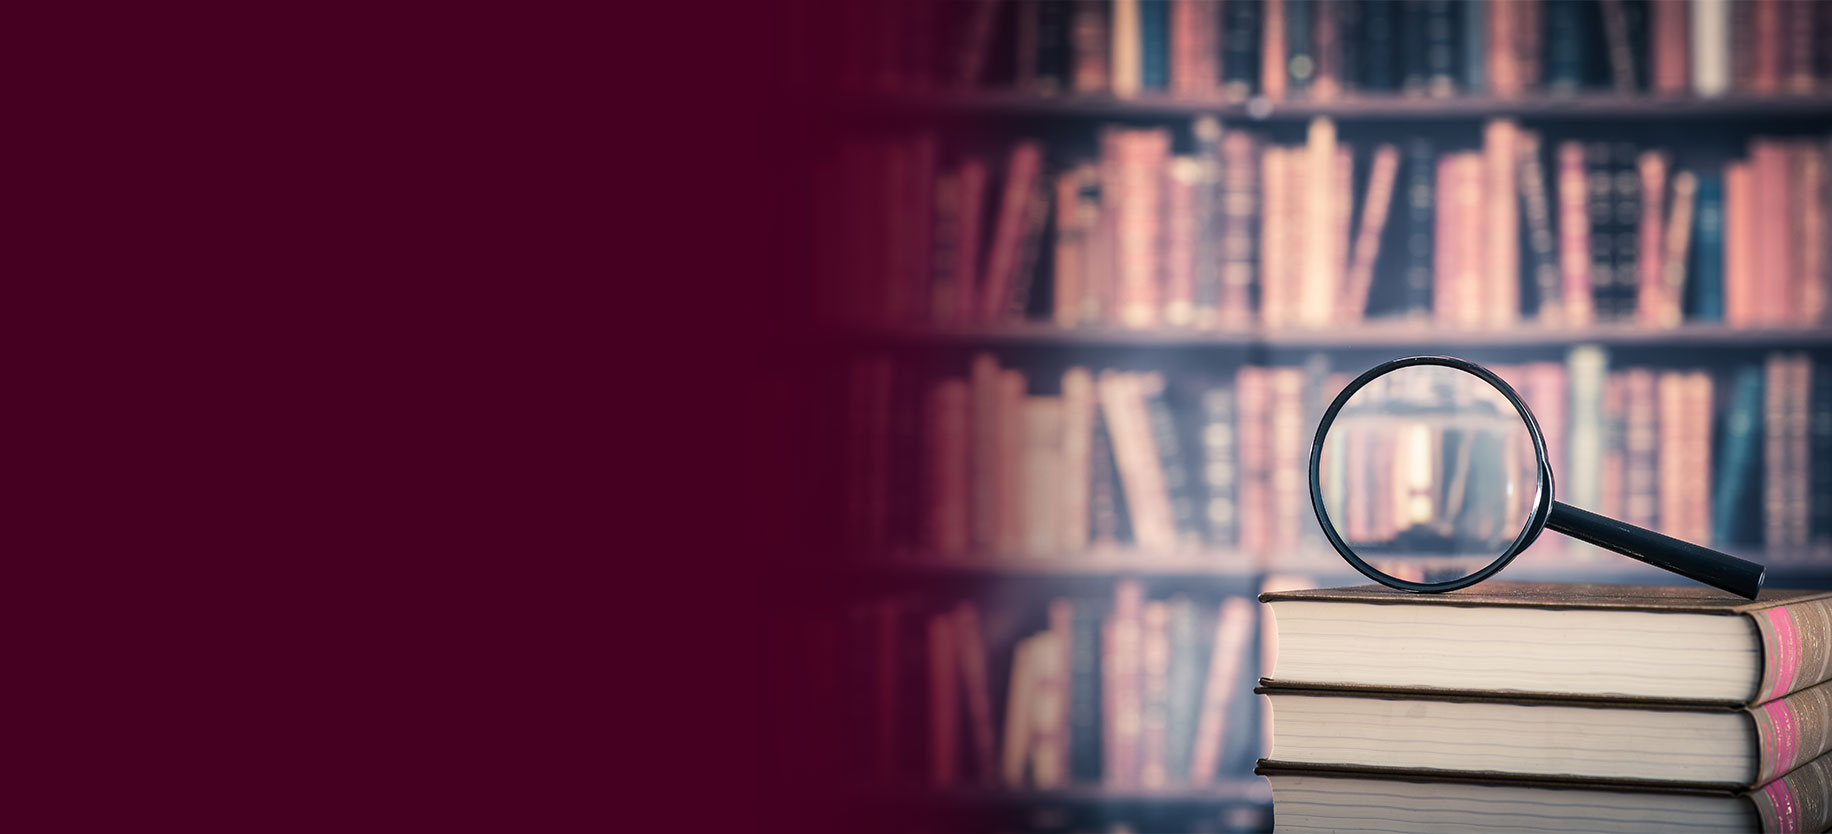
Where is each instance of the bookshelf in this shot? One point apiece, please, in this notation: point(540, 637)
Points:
point(1588, 107)
point(911, 140)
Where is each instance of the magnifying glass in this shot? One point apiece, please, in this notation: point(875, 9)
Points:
point(1435, 463)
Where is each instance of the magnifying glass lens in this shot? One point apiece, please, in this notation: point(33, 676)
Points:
point(1428, 473)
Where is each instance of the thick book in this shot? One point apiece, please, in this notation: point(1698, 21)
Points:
point(1646, 741)
point(1320, 800)
point(1602, 641)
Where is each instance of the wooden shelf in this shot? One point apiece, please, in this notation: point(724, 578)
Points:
point(1585, 106)
point(1379, 334)
point(1226, 792)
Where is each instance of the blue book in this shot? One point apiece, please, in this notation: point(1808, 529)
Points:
point(1735, 508)
point(1380, 31)
point(1475, 48)
point(1300, 39)
point(1154, 41)
point(1566, 46)
point(1706, 292)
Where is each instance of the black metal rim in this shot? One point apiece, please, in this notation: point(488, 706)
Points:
point(1542, 506)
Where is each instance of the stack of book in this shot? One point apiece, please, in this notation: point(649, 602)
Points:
point(1518, 706)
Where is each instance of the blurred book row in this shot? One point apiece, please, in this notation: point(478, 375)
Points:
point(1328, 49)
point(1239, 231)
point(1125, 692)
point(994, 464)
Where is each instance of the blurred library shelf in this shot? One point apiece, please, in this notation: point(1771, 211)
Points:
point(1576, 107)
point(1397, 334)
point(1087, 274)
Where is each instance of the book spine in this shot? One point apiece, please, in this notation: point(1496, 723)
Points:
point(1415, 68)
point(1192, 47)
point(1501, 240)
point(1797, 801)
point(1287, 470)
point(1585, 366)
point(1021, 695)
point(1253, 399)
point(1473, 280)
point(1444, 265)
point(1819, 531)
point(1797, 60)
point(1374, 209)
point(1138, 215)
point(1542, 254)
point(1421, 200)
point(1089, 41)
point(1621, 54)
point(1628, 216)
point(1300, 46)
point(1530, 46)
point(1611, 479)
point(1599, 180)
point(1273, 80)
point(1710, 33)
point(1678, 240)
point(1650, 294)
point(1794, 730)
point(1328, 48)
point(1227, 657)
point(1042, 476)
point(1240, 204)
point(1125, 61)
point(1078, 408)
point(1318, 255)
point(1769, 164)
point(1672, 471)
point(1810, 238)
point(1486, 44)
point(1071, 243)
point(970, 641)
point(1774, 452)
point(1184, 684)
point(1021, 176)
point(1154, 44)
point(1740, 453)
point(1179, 219)
point(1641, 464)
point(944, 701)
point(1221, 466)
point(1240, 48)
point(1178, 484)
point(1009, 503)
point(1124, 686)
point(1053, 65)
point(1799, 483)
point(1085, 695)
point(1380, 26)
point(1140, 470)
point(1670, 40)
point(949, 468)
point(1766, 74)
point(1154, 732)
point(1205, 218)
point(1565, 46)
point(1739, 246)
point(1707, 284)
point(1274, 270)
point(1049, 745)
point(1106, 507)
point(1441, 59)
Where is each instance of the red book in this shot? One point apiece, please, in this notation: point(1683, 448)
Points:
point(1775, 276)
point(1180, 241)
point(967, 251)
point(1767, 50)
point(1574, 237)
point(1008, 529)
point(1137, 211)
point(1272, 51)
point(1123, 691)
point(1651, 296)
point(1071, 248)
point(1140, 468)
point(1022, 171)
point(1810, 234)
point(1501, 239)
point(1227, 657)
point(1504, 31)
point(1374, 210)
point(1195, 47)
point(944, 701)
point(1673, 468)
point(1671, 38)
point(1318, 247)
point(1240, 210)
point(1088, 35)
point(948, 430)
point(970, 643)
point(1529, 45)
point(1327, 46)
point(1470, 247)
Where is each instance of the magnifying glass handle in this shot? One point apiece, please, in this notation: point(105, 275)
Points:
point(1719, 570)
